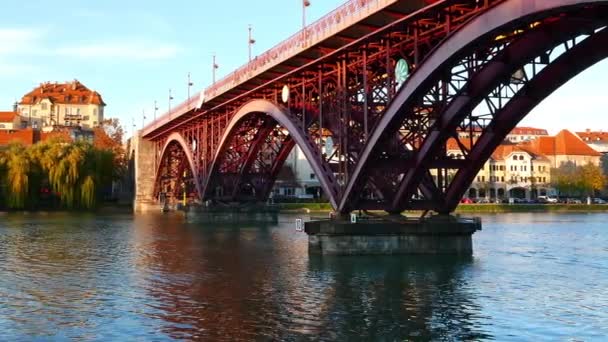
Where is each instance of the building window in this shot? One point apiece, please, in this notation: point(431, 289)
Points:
point(312, 176)
point(44, 106)
point(502, 179)
point(85, 118)
point(95, 111)
point(77, 111)
point(514, 157)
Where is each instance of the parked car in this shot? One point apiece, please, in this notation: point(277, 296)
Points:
point(573, 201)
point(482, 200)
point(599, 201)
point(466, 200)
point(547, 199)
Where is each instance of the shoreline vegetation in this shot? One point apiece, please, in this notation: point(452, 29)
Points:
point(467, 208)
point(298, 208)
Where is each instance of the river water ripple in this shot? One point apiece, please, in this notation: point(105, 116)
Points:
point(119, 277)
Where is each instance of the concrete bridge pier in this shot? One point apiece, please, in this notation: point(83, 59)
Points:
point(145, 169)
point(441, 234)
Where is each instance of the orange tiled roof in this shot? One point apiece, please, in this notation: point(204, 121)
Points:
point(25, 136)
point(7, 116)
point(591, 137)
point(520, 130)
point(65, 93)
point(529, 131)
point(564, 143)
point(502, 151)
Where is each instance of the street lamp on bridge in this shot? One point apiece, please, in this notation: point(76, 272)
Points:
point(305, 3)
point(190, 84)
point(170, 98)
point(155, 109)
point(250, 42)
point(215, 67)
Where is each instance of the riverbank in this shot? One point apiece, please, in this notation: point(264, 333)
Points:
point(467, 208)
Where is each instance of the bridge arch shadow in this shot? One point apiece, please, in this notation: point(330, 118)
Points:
point(252, 150)
point(546, 42)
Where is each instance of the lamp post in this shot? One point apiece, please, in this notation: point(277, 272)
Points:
point(190, 84)
point(143, 118)
point(170, 98)
point(155, 109)
point(250, 42)
point(215, 67)
point(305, 3)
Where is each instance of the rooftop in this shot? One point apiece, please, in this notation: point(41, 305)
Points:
point(72, 92)
point(564, 143)
point(7, 116)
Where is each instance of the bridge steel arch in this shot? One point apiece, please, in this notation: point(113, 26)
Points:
point(474, 65)
point(176, 139)
point(255, 121)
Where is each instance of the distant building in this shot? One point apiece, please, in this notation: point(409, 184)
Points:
point(63, 104)
point(512, 171)
point(596, 140)
point(564, 147)
point(10, 121)
point(517, 135)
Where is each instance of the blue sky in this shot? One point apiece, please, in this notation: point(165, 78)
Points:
point(133, 51)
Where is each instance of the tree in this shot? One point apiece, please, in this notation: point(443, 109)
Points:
point(109, 136)
point(564, 178)
point(75, 172)
point(580, 180)
point(592, 179)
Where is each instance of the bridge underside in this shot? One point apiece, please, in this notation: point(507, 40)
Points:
point(392, 104)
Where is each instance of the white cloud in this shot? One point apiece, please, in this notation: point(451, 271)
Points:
point(123, 50)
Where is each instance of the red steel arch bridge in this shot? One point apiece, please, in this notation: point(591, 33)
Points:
point(389, 82)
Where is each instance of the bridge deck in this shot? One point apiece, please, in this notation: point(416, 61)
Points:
point(348, 23)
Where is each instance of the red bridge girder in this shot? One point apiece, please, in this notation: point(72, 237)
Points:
point(390, 138)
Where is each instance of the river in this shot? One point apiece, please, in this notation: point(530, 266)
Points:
point(124, 277)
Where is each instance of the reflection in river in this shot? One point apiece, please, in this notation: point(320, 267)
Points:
point(166, 277)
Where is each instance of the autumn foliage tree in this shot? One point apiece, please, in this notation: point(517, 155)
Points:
point(109, 136)
point(571, 179)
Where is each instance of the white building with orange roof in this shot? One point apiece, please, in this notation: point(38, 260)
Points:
point(597, 140)
point(517, 135)
point(511, 172)
point(564, 147)
point(63, 104)
point(10, 121)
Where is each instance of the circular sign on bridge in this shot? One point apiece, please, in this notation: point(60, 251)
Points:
point(402, 72)
point(285, 94)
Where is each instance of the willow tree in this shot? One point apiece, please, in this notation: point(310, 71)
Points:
point(18, 168)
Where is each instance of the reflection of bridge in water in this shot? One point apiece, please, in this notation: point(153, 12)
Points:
point(256, 281)
point(390, 81)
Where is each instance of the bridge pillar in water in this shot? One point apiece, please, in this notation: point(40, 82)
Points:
point(440, 234)
point(145, 173)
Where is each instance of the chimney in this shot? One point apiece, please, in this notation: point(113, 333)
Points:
point(15, 107)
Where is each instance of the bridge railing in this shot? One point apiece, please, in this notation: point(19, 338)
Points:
point(337, 20)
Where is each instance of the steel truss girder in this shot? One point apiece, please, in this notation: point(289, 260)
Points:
point(564, 68)
point(288, 122)
point(503, 17)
